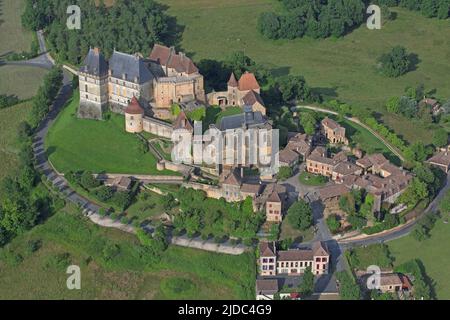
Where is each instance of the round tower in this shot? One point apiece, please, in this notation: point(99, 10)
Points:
point(134, 115)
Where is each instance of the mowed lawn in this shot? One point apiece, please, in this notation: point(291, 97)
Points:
point(98, 146)
point(341, 68)
point(125, 276)
point(10, 119)
point(434, 253)
point(13, 37)
point(22, 81)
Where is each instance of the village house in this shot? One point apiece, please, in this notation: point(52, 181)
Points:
point(297, 148)
point(293, 261)
point(394, 283)
point(334, 132)
point(441, 160)
point(245, 92)
point(266, 289)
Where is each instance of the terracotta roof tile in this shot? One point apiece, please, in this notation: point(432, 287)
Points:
point(248, 82)
point(134, 107)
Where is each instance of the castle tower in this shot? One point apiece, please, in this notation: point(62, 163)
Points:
point(93, 85)
point(232, 90)
point(134, 115)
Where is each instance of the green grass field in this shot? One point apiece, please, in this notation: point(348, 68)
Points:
point(9, 122)
point(341, 68)
point(22, 81)
point(13, 38)
point(181, 274)
point(433, 252)
point(310, 179)
point(98, 146)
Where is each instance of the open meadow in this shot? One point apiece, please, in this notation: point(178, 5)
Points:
point(341, 68)
point(123, 273)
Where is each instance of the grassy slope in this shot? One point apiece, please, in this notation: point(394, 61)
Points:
point(125, 277)
point(98, 146)
point(9, 121)
point(434, 253)
point(13, 38)
point(341, 67)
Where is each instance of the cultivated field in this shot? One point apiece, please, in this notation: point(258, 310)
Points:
point(98, 146)
point(67, 237)
point(342, 68)
point(433, 252)
point(9, 122)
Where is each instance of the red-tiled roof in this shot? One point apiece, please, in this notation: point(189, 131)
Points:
point(248, 82)
point(168, 57)
point(134, 107)
point(251, 98)
point(182, 122)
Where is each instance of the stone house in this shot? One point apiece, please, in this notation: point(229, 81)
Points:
point(240, 93)
point(293, 261)
point(334, 132)
point(441, 160)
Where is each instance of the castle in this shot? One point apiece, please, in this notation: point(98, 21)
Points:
point(162, 79)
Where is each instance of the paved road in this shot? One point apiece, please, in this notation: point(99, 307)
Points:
point(357, 121)
point(43, 60)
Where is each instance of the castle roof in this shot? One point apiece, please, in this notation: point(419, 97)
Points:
point(134, 107)
point(248, 82)
point(251, 98)
point(182, 122)
point(129, 67)
point(274, 197)
point(251, 119)
point(232, 82)
point(168, 57)
point(95, 63)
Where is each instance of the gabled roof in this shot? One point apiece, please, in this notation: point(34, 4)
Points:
point(132, 67)
point(134, 107)
point(182, 122)
point(320, 249)
point(251, 119)
point(274, 197)
point(251, 188)
point(266, 249)
point(232, 179)
point(330, 123)
point(168, 57)
point(267, 286)
point(295, 255)
point(248, 82)
point(287, 155)
point(251, 98)
point(332, 191)
point(95, 63)
point(232, 82)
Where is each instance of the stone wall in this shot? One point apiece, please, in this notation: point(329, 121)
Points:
point(157, 127)
point(90, 110)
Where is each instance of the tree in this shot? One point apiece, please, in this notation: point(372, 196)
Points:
point(269, 25)
point(88, 181)
point(348, 287)
point(395, 63)
point(392, 105)
point(168, 202)
point(333, 223)
point(285, 173)
point(308, 122)
point(416, 191)
point(347, 203)
point(306, 287)
point(299, 215)
point(440, 137)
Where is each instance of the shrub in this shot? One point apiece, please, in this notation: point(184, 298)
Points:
point(285, 173)
point(58, 261)
point(33, 245)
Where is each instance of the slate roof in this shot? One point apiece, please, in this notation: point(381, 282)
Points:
point(238, 120)
point(95, 63)
point(132, 66)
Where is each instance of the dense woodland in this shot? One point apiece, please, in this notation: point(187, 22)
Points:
point(326, 18)
point(128, 26)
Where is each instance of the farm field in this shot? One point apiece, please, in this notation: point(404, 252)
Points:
point(10, 119)
point(99, 146)
point(69, 238)
point(340, 68)
point(433, 252)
